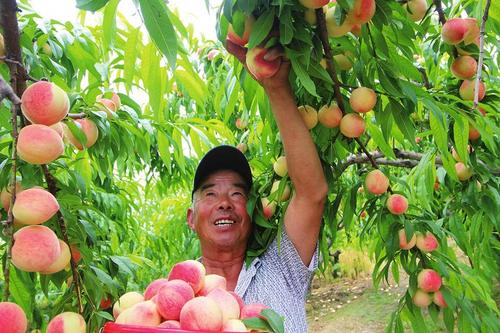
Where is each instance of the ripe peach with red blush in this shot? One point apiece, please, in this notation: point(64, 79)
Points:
point(170, 324)
point(212, 281)
point(201, 313)
point(61, 262)
point(362, 11)
point(234, 325)
point(463, 172)
point(153, 288)
point(427, 242)
point(268, 207)
point(44, 103)
point(429, 280)
point(376, 182)
point(191, 271)
point(172, 297)
point(258, 66)
point(35, 248)
point(12, 317)
point(464, 67)
point(397, 204)
point(333, 28)
point(34, 206)
point(404, 244)
point(422, 299)
point(126, 301)
point(363, 99)
point(330, 116)
point(241, 40)
point(416, 9)
point(39, 144)
point(438, 299)
point(143, 313)
point(227, 303)
point(67, 322)
point(467, 89)
point(252, 310)
point(352, 125)
point(89, 129)
point(309, 115)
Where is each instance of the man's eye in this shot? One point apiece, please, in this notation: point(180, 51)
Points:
point(209, 194)
point(238, 194)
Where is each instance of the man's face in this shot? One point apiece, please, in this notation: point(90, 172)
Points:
point(218, 214)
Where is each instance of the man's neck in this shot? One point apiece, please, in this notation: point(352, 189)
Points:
point(227, 265)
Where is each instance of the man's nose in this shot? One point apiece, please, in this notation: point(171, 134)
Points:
point(225, 202)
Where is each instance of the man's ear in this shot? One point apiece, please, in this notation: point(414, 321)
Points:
point(189, 218)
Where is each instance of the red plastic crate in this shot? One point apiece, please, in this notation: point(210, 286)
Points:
point(119, 328)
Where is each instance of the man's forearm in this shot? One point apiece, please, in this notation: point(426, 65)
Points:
point(304, 166)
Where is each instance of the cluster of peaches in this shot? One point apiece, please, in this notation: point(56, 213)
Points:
point(188, 299)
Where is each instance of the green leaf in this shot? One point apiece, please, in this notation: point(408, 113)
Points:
point(303, 76)
point(109, 24)
point(261, 28)
point(274, 319)
point(403, 121)
point(377, 136)
point(156, 18)
point(91, 5)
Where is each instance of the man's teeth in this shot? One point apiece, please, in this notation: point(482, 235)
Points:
point(223, 222)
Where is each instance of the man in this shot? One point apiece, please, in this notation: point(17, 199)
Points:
point(280, 278)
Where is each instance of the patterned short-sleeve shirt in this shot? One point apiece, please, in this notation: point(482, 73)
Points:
point(280, 280)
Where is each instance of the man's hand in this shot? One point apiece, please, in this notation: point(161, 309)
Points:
point(278, 80)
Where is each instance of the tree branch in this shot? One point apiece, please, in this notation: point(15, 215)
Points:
point(439, 10)
point(76, 115)
point(481, 54)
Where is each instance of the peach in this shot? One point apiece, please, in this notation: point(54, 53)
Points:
point(236, 38)
point(105, 303)
point(107, 106)
point(259, 67)
point(352, 125)
point(252, 310)
point(429, 280)
point(403, 243)
point(438, 299)
point(268, 207)
point(285, 194)
point(153, 288)
point(343, 61)
point(363, 99)
point(44, 103)
point(238, 299)
point(126, 301)
point(335, 30)
point(330, 116)
point(5, 195)
point(397, 204)
point(34, 206)
point(172, 297)
point(362, 11)
point(61, 262)
point(464, 67)
point(35, 248)
point(241, 123)
point(191, 271)
point(422, 299)
point(416, 9)
point(114, 98)
point(242, 147)
point(170, 324)
point(376, 182)
point(467, 89)
point(143, 313)
point(201, 313)
point(58, 127)
point(427, 242)
point(89, 129)
point(39, 144)
point(212, 281)
point(356, 30)
point(76, 255)
point(473, 133)
point(227, 303)
point(463, 172)
point(234, 325)
point(280, 167)
point(459, 30)
point(67, 322)
point(309, 115)
point(313, 4)
point(12, 317)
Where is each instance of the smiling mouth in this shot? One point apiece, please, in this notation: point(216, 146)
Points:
point(224, 222)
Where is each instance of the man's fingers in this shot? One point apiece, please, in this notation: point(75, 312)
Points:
point(236, 50)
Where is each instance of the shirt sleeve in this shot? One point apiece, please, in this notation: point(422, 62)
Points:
point(285, 257)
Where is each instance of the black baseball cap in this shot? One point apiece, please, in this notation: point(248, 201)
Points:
point(223, 157)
